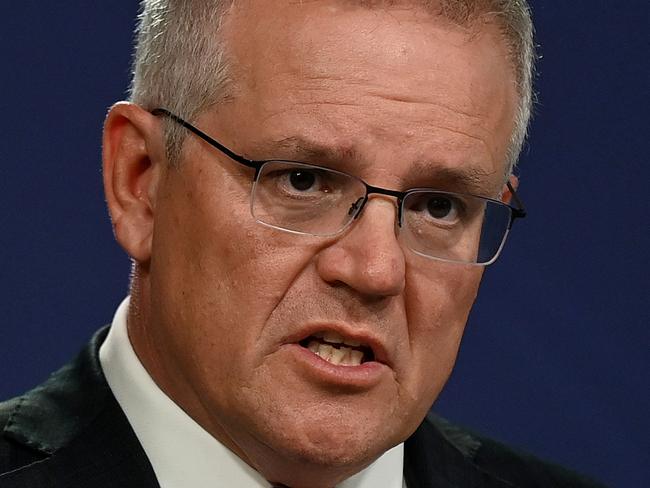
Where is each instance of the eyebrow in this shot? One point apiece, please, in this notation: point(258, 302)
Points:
point(470, 178)
point(315, 151)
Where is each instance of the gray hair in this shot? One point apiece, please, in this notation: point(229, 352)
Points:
point(181, 65)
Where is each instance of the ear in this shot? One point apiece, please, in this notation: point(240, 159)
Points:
point(506, 197)
point(133, 163)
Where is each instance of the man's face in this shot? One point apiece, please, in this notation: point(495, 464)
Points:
point(394, 96)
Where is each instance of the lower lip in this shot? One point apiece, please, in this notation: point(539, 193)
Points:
point(364, 376)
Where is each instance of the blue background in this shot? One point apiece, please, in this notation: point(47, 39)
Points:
point(555, 358)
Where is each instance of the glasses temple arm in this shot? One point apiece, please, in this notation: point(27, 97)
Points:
point(519, 212)
point(206, 138)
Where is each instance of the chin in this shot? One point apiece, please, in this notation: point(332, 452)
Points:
point(336, 450)
point(335, 443)
point(320, 458)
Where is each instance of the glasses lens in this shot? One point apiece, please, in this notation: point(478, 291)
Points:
point(304, 198)
point(454, 227)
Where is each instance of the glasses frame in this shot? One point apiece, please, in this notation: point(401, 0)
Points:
point(518, 212)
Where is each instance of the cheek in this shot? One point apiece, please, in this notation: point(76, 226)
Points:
point(209, 244)
point(442, 296)
point(438, 308)
point(219, 275)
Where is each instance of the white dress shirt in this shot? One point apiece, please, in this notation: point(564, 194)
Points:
point(181, 452)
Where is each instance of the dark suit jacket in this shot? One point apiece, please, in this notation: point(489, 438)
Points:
point(71, 433)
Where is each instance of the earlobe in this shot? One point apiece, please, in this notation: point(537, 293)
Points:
point(133, 160)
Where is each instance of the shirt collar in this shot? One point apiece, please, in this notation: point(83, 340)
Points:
point(180, 451)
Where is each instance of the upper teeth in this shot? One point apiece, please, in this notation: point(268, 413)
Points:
point(334, 338)
point(343, 356)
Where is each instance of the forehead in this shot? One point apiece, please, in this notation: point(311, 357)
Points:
point(360, 78)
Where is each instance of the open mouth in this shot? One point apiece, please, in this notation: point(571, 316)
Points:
point(334, 349)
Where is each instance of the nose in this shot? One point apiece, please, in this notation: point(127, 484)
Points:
point(368, 257)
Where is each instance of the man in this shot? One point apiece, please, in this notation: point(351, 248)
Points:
point(309, 192)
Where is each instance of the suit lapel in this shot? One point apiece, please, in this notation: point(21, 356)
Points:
point(74, 420)
point(438, 455)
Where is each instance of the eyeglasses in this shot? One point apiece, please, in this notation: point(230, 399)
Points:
point(315, 200)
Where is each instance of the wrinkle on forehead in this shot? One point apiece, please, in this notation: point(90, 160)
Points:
point(330, 143)
point(344, 74)
point(417, 113)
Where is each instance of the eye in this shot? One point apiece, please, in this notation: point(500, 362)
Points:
point(437, 208)
point(442, 208)
point(302, 180)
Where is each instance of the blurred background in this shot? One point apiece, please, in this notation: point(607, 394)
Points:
point(555, 359)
